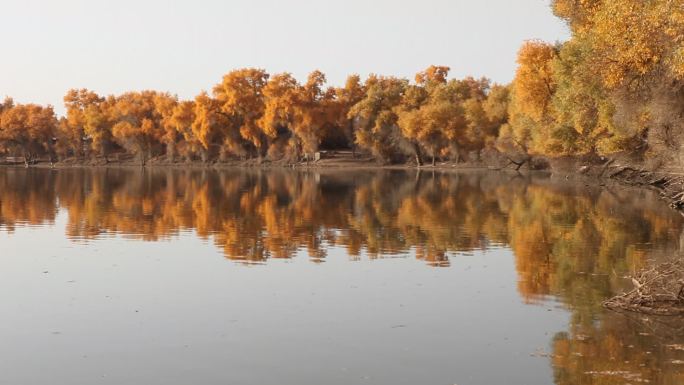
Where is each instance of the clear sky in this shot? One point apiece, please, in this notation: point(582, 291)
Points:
point(184, 47)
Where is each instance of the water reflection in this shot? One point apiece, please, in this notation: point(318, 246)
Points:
point(620, 349)
point(254, 216)
point(571, 242)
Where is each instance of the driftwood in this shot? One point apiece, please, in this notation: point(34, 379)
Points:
point(606, 165)
point(622, 170)
point(658, 290)
point(518, 165)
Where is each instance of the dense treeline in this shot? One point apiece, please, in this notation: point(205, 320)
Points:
point(252, 114)
point(615, 87)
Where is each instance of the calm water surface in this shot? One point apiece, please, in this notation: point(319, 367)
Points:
point(282, 277)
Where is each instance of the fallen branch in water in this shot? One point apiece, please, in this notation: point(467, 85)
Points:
point(658, 291)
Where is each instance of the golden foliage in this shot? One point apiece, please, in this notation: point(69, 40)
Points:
point(27, 129)
point(534, 83)
point(615, 86)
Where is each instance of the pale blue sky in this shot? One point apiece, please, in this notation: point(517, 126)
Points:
point(186, 46)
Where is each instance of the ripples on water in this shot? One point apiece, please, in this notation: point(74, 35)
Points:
point(511, 273)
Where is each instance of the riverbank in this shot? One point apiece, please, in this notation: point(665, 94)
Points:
point(669, 184)
point(336, 160)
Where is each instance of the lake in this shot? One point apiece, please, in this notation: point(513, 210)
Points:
point(126, 276)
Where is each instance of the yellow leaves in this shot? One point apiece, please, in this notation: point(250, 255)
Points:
point(240, 96)
point(496, 105)
point(450, 117)
point(139, 120)
point(374, 115)
point(81, 98)
point(624, 57)
point(27, 129)
point(675, 31)
point(181, 119)
point(147, 127)
point(677, 62)
point(433, 74)
point(313, 89)
point(85, 118)
point(124, 129)
point(577, 13)
point(352, 92)
point(634, 39)
point(534, 82)
point(562, 100)
point(531, 110)
point(281, 96)
point(313, 109)
point(204, 127)
point(241, 91)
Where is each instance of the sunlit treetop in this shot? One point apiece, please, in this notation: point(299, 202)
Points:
point(577, 13)
point(630, 39)
point(534, 83)
point(241, 91)
point(433, 74)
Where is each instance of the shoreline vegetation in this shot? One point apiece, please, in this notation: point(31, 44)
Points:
point(612, 93)
point(607, 103)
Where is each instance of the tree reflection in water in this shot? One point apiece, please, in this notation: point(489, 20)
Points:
point(572, 243)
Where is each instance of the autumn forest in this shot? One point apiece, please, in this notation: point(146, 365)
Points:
point(614, 88)
point(372, 228)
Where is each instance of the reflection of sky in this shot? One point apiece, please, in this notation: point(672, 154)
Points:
point(117, 311)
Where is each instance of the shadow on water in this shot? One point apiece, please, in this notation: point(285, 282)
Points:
point(572, 243)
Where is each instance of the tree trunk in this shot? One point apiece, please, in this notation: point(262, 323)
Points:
point(263, 149)
point(223, 154)
point(433, 160)
point(171, 151)
point(298, 149)
point(455, 149)
point(105, 153)
point(416, 150)
point(142, 152)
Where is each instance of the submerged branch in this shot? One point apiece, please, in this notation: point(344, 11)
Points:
point(658, 290)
